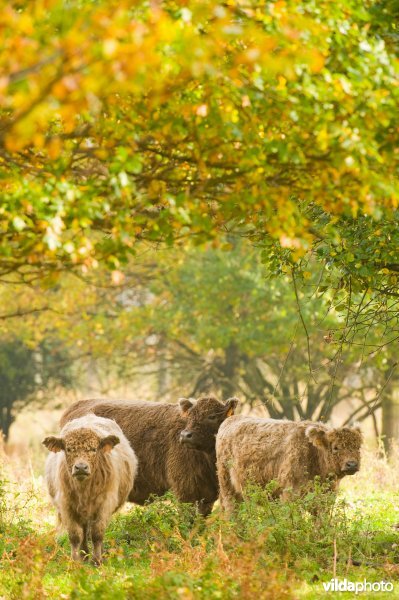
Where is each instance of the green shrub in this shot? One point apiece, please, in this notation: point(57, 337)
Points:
point(267, 549)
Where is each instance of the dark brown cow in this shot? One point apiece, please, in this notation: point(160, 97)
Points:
point(175, 445)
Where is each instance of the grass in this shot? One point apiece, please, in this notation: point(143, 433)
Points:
point(269, 550)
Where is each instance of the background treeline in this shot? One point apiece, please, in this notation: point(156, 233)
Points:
point(197, 320)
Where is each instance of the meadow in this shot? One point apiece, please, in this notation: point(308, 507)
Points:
point(268, 550)
point(201, 197)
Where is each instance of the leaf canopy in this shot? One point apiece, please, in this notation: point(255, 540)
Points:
point(169, 120)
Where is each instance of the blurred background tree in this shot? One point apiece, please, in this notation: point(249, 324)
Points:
point(204, 319)
point(25, 372)
point(259, 144)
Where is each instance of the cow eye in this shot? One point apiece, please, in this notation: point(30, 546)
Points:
point(212, 418)
point(335, 449)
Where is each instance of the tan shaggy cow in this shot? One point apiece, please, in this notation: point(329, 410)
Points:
point(89, 473)
point(256, 450)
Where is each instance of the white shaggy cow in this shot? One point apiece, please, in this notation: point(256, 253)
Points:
point(89, 472)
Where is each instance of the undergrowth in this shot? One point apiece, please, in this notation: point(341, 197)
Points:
point(266, 550)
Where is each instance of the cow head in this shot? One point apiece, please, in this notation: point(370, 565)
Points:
point(83, 449)
point(203, 418)
point(340, 446)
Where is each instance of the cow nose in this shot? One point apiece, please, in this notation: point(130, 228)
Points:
point(186, 435)
point(81, 469)
point(351, 465)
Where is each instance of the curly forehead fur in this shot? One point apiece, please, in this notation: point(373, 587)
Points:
point(207, 405)
point(81, 439)
point(348, 437)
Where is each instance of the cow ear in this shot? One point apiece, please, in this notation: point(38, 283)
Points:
point(185, 405)
point(317, 436)
point(53, 443)
point(109, 442)
point(230, 406)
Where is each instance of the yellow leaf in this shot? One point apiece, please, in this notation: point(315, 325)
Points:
point(54, 148)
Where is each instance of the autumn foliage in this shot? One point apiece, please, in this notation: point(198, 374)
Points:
point(159, 121)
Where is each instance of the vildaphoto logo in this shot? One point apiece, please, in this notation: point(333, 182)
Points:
point(358, 587)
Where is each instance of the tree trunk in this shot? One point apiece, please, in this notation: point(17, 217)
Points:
point(230, 370)
point(162, 376)
point(6, 420)
point(390, 416)
point(260, 388)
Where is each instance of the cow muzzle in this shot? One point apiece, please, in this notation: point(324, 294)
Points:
point(186, 437)
point(80, 471)
point(351, 467)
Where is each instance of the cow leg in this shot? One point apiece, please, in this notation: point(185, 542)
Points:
point(204, 508)
point(75, 533)
point(97, 536)
point(287, 495)
point(84, 548)
point(227, 492)
point(227, 503)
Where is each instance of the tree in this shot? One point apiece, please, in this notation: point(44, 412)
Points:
point(209, 320)
point(164, 122)
point(390, 409)
point(23, 372)
point(227, 328)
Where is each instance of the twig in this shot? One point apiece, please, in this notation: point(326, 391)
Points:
point(335, 559)
point(373, 404)
point(22, 313)
point(303, 323)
